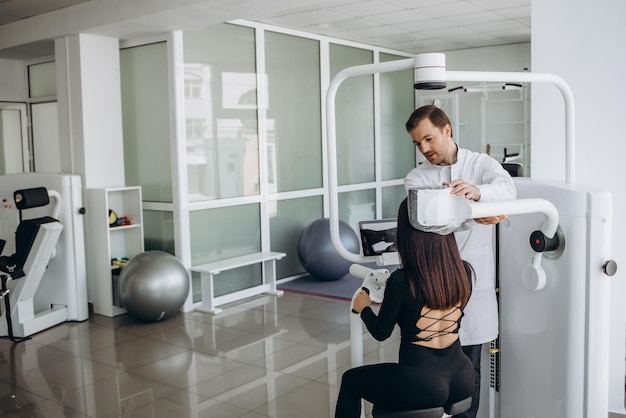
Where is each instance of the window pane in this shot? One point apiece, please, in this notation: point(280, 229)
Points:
point(294, 113)
point(291, 217)
point(12, 144)
point(42, 80)
point(146, 112)
point(357, 206)
point(46, 146)
point(397, 102)
point(158, 231)
point(354, 117)
point(392, 197)
point(220, 112)
point(221, 233)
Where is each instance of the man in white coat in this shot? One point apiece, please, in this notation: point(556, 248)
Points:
point(479, 177)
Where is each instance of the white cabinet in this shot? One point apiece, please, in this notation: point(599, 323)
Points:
point(112, 242)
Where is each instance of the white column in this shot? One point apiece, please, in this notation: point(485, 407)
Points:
point(90, 109)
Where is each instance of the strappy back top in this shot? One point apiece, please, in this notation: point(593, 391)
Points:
point(435, 324)
point(419, 324)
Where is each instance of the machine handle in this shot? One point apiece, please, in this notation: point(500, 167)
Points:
point(539, 242)
point(356, 293)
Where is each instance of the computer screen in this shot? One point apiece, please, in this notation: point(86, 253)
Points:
point(378, 236)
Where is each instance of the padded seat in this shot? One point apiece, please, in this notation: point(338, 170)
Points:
point(437, 412)
point(418, 413)
point(25, 236)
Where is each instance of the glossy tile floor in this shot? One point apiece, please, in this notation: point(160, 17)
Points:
point(263, 357)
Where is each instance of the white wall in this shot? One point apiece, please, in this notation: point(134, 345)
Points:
point(583, 42)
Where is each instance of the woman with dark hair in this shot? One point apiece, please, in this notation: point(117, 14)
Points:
point(425, 297)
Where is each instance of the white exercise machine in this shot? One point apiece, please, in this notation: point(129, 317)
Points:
point(42, 265)
point(552, 356)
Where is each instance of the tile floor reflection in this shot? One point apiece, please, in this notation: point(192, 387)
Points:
point(264, 357)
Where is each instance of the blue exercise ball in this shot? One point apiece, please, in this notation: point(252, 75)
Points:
point(153, 285)
point(318, 255)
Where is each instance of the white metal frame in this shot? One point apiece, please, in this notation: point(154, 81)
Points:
point(21, 107)
point(180, 207)
point(477, 76)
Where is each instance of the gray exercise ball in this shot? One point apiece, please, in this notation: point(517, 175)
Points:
point(318, 255)
point(153, 285)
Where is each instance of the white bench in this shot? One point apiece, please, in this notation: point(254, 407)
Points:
point(209, 270)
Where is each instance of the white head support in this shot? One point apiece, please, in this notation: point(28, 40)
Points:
point(428, 215)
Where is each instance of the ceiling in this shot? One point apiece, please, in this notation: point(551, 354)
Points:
point(406, 25)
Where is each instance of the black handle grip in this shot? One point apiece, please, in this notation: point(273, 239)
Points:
point(540, 243)
point(366, 291)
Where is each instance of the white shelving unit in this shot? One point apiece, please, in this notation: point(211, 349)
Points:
point(488, 118)
point(506, 126)
point(110, 242)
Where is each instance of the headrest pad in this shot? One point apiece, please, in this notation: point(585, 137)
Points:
point(31, 198)
point(419, 209)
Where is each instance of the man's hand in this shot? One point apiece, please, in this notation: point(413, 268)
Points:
point(461, 188)
point(490, 220)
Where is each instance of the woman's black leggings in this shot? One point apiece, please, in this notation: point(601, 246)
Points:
point(425, 378)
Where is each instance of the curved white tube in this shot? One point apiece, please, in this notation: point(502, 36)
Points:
point(331, 138)
point(56, 208)
point(528, 77)
point(519, 207)
point(438, 207)
point(360, 271)
point(486, 76)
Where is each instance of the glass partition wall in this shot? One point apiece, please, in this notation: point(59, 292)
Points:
point(254, 161)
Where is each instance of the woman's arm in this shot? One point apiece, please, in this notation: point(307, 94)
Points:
point(381, 326)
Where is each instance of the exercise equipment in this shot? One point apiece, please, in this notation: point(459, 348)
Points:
point(374, 282)
point(153, 285)
point(552, 357)
point(35, 241)
point(43, 271)
point(317, 254)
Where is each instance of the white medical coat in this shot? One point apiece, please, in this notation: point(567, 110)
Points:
point(480, 322)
